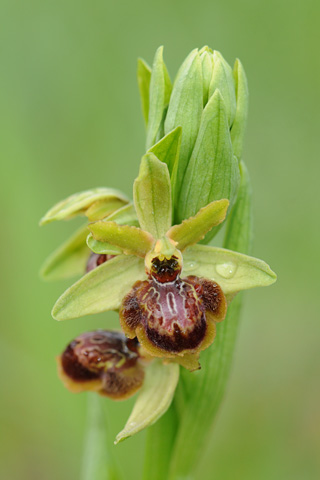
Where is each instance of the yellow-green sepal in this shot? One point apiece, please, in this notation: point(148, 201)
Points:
point(152, 196)
point(233, 271)
point(80, 203)
point(144, 76)
point(69, 259)
point(154, 398)
point(131, 240)
point(192, 230)
point(159, 95)
point(101, 289)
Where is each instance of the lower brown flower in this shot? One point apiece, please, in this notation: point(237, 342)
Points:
point(102, 361)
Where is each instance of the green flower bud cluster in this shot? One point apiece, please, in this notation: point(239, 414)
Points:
point(206, 111)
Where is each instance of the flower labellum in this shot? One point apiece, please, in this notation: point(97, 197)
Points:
point(102, 361)
point(173, 317)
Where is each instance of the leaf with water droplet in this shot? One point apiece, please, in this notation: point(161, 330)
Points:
point(231, 270)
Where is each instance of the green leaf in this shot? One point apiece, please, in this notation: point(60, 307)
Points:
point(160, 89)
point(102, 247)
point(132, 240)
point(168, 148)
point(101, 289)
point(152, 196)
point(240, 121)
point(185, 109)
point(237, 237)
point(69, 260)
point(193, 229)
point(144, 76)
point(213, 171)
point(222, 80)
point(79, 203)
point(231, 270)
point(98, 461)
point(206, 388)
point(154, 398)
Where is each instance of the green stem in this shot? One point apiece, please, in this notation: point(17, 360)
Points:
point(159, 444)
point(98, 461)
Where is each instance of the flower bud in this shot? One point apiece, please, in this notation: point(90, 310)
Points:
point(97, 259)
point(208, 102)
point(102, 361)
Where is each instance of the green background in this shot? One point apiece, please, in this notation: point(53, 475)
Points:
point(70, 120)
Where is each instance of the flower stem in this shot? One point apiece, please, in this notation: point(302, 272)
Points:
point(98, 461)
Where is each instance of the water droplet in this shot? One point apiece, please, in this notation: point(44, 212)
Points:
point(226, 270)
point(191, 265)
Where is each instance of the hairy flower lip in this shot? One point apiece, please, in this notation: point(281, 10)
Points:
point(173, 319)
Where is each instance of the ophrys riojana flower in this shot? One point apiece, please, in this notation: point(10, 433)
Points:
point(102, 361)
point(170, 292)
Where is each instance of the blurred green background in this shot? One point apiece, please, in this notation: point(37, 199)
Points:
point(70, 120)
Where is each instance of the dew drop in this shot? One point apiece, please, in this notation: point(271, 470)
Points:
point(191, 265)
point(226, 270)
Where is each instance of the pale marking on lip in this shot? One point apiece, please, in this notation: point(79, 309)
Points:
point(171, 302)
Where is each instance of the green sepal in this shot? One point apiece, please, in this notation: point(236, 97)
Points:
point(152, 196)
point(231, 270)
point(160, 90)
point(144, 76)
point(103, 208)
point(185, 109)
point(154, 398)
point(101, 289)
point(69, 259)
point(222, 80)
point(132, 240)
point(79, 203)
point(240, 121)
point(168, 148)
point(194, 229)
point(104, 248)
point(213, 171)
